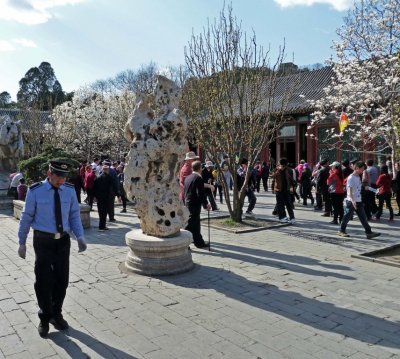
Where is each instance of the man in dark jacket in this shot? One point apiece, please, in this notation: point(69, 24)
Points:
point(322, 186)
point(250, 186)
point(282, 186)
point(102, 190)
point(195, 198)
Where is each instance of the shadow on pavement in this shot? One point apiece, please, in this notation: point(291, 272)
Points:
point(279, 260)
point(320, 315)
point(72, 348)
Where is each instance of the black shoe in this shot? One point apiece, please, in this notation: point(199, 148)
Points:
point(43, 329)
point(373, 235)
point(112, 220)
point(317, 208)
point(334, 222)
point(397, 214)
point(202, 245)
point(59, 323)
point(123, 211)
point(326, 214)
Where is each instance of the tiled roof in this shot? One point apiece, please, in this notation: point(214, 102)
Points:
point(305, 87)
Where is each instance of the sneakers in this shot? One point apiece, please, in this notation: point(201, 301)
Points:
point(249, 214)
point(373, 235)
point(292, 221)
point(43, 329)
point(284, 220)
point(59, 323)
point(342, 234)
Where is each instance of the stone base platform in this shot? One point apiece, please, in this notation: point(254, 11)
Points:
point(85, 212)
point(155, 256)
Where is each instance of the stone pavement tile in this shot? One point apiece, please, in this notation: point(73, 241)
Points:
point(172, 346)
point(295, 350)
point(22, 355)
point(7, 305)
point(21, 297)
point(261, 351)
point(5, 326)
point(13, 287)
point(6, 279)
point(325, 342)
point(231, 350)
point(11, 344)
point(4, 294)
point(327, 354)
point(375, 351)
point(149, 331)
point(140, 343)
point(160, 354)
point(267, 338)
point(199, 348)
point(16, 317)
point(27, 332)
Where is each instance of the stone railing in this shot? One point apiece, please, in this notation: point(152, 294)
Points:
point(85, 212)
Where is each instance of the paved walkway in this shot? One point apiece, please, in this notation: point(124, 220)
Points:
point(284, 293)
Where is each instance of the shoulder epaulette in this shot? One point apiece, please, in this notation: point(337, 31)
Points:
point(35, 185)
point(69, 185)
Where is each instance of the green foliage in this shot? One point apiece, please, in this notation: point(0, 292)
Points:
point(39, 88)
point(35, 168)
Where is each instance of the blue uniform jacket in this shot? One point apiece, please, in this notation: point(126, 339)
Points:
point(38, 211)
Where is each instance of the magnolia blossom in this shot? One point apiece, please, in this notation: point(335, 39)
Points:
point(92, 124)
point(367, 72)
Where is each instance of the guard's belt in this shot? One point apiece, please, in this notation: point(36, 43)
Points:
point(49, 235)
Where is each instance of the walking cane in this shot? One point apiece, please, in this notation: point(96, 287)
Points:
point(209, 239)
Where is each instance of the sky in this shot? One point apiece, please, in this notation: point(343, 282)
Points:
point(88, 40)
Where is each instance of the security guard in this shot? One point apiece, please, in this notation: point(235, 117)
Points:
point(51, 209)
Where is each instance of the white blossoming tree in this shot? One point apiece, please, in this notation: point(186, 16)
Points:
point(92, 124)
point(366, 86)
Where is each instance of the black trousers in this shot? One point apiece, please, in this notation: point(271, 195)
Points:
point(337, 205)
point(90, 197)
point(210, 197)
point(385, 198)
point(103, 208)
point(327, 200)
point(194, 226)
point(111, 206)
point(51, 272)
point(265, 183)
point(283, 200)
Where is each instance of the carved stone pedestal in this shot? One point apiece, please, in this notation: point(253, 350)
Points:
point(154, 256)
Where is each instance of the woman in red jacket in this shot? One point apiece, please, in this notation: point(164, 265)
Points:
point(384, 195)
point(335, 188)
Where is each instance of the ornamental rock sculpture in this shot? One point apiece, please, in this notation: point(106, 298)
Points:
point(158, 132)
point(11, 143)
